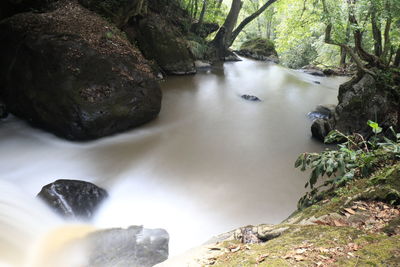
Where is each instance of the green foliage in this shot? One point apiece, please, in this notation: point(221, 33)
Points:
point(355, 157)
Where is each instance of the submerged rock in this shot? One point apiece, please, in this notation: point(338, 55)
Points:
point(133, 247)
point(259, 49)
point(73, 198)
point(250, 98)
point(72, 73)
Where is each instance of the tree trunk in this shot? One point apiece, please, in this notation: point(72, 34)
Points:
point(250, 19)
point(376, 31)
point(196, 7)
point(202, 13)
point(396, 62)
point(221, 41)
point(343, 56)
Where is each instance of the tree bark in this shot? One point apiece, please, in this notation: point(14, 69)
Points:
point(396, 62)
point(249, 19)
point(221, 41)
point(376, 31)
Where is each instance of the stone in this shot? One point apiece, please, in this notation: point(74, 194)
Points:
point(259, 49)
point(250, 98)
point(162, 42)
point(73, 199)
point(70, 72)
point(320, 129)
point(322, 112)
point(202, 64)
point(133, 247)
point(313, 70)
point(3, 110)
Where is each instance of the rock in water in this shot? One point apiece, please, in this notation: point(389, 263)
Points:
point(251, 98)
point(71, 72)
point(72, 198)
point(133, 247)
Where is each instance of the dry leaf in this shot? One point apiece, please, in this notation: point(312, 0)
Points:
point(262, 258)
point(299, 258)
point(351, 211)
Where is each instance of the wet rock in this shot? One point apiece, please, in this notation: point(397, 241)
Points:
point(134, 247)
point(259, 49)
point(73, 199)
point(162, 42)
point(320, 129)
point(72, 73)
point(317, 82)
point(322, 112)
point(313, 70)
point(250, 98)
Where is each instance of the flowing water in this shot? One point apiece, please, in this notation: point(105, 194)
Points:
point(210, 162)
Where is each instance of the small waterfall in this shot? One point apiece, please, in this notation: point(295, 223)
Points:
point(30, 232)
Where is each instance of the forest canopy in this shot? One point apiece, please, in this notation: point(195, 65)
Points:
point(319, 32)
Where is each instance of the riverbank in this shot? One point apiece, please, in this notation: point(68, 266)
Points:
point(356, 225)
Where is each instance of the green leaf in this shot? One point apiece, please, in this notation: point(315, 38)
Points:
point(374, 126)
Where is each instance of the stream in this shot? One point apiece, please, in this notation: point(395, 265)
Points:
point(210, 162)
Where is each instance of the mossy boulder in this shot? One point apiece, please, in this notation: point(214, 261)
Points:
point(72, 73)
point(259, 49)
point(162, 42)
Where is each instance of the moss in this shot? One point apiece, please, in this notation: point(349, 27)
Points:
point(259, 46)
point(315, 237)
point(384, 252)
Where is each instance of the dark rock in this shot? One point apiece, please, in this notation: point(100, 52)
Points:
point(313, 70)
point(366, 98)
point(3, 110)
point(9, 8)
point(259, 49)
point(251, 98)
point(163, 43)
point(72, 73)
point(72, 198)
point(320, 129)
point(134, 247)
point(322, 112)
point(317, 82)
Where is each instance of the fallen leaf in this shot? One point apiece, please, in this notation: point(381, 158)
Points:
point(299, 258)
point(338, 223)
point(261, 258)
point(351, 211)
point(300, 250)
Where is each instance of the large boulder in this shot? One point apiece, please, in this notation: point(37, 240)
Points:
point(118, 11)
point(72, 73)
point(364, 98)
point(259, 49)
point(73, 199)
point(134, 247)
point(162, 42)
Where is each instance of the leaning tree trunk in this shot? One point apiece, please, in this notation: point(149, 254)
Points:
point(226, 35)
point(221, 42)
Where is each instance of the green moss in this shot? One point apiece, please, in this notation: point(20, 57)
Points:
point(260, 46)
point(316, 236)
point(383, 252)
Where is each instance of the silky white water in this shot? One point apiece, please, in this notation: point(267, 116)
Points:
point(210, 162)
